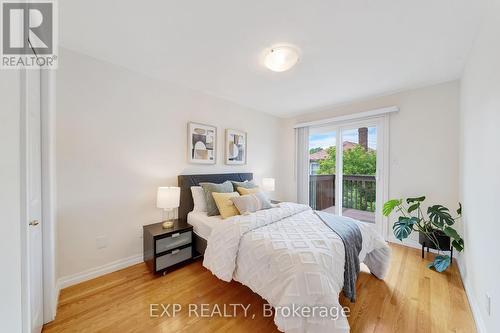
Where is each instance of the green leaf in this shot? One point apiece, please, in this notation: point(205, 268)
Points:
point(439, 215)
point(413, 207)
point(417, 199)
point(440, 263)
point(452, 233)
point(459, 210)
point(403, 227)
point(458, 244)
point(390, 205)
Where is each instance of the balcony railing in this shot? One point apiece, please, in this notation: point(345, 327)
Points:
point(359, 192)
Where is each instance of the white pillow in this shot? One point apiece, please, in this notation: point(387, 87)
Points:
point(199, 199)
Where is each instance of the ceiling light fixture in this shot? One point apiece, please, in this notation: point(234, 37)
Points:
point(281, 58)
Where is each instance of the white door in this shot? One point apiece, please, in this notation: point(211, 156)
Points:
point(34, 201)
point(360, 170)
point(347, 164)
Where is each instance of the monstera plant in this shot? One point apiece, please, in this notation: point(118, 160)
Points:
point(438, 222)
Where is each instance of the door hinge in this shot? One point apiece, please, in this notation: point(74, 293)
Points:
point(34, 223)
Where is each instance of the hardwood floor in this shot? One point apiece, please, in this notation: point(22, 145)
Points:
point(411, 299)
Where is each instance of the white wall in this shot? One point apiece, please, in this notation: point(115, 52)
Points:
point(120, 135)
point(480, 167)
point(423, 142)
point(10, 195)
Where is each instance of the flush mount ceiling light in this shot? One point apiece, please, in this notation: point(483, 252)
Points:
point(281, 58)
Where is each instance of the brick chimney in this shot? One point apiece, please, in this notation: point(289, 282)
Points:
point(363, 137)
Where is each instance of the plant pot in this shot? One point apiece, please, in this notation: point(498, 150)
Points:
point(443, 240)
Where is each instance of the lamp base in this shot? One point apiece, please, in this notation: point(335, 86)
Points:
point(167, 224)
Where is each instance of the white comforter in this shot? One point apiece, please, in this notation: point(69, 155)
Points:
point(292, 259)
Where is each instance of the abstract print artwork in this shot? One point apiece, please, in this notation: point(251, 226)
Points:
point(236, 147)
point(202, 143)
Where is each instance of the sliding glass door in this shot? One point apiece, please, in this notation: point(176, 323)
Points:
point(346, 168)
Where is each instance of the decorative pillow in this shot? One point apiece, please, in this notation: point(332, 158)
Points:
point(225, 187)
point(251, 203)
point(243, 191)
point(245, 184)
point(225, 205)
point(199, 200)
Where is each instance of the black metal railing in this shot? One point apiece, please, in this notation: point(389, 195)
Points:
point(358, 192)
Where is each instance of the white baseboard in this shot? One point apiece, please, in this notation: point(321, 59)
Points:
point(406, 242)
point(409, 243)
point(476, 312)
point(92, 273)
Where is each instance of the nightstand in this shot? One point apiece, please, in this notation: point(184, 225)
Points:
point(167, 248)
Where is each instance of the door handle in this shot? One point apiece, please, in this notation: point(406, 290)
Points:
point(34, 223)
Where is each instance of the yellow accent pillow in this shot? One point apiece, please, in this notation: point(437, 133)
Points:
point(225, 205)
point(243, 190)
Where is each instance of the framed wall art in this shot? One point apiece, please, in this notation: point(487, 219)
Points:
point(236, 147)
point(202, 143)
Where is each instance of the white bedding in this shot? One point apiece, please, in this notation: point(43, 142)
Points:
point(291, 258)
point(202, 223)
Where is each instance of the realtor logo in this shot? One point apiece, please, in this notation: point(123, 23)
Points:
point(28, 34)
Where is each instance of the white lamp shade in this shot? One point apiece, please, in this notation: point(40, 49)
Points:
point(168, 197)
point(268, 184)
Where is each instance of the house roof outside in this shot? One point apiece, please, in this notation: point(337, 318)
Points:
point(319, 155)
point(323, 153)
point(348, 145)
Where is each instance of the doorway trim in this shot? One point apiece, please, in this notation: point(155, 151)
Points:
point(25, 297)
point(48, 162)
point(49, 231)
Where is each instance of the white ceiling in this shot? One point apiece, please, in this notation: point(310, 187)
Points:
point(350, 49)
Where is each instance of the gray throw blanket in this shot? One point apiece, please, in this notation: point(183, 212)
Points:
point(351, 237)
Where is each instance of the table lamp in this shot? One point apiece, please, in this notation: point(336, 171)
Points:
point(168, 199)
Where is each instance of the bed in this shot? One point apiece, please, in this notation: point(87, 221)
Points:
point(186, 203)
point(285, 254)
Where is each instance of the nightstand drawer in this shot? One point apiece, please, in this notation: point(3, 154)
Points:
point(172, 241)
point(175, 257)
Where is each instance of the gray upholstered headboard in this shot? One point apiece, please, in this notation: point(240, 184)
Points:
point(186, 181)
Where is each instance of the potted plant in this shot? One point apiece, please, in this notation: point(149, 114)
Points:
point(434, 228)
